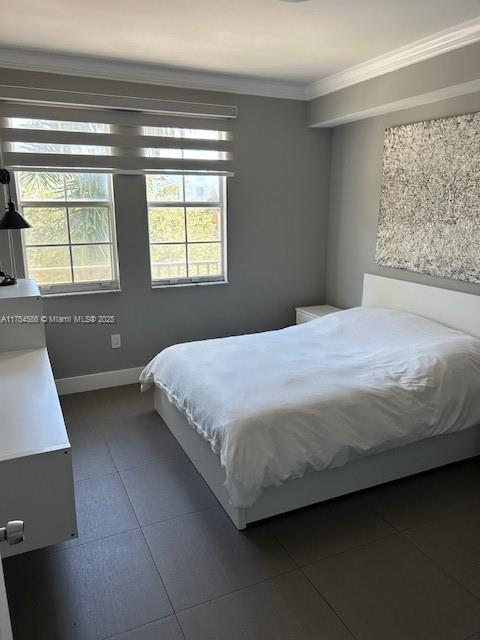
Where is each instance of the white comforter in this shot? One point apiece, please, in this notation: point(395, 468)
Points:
point(275, 405)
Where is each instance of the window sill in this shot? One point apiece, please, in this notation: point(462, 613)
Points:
point(189, 284)
point(65, 294)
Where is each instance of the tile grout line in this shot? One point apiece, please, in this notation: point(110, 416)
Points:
point(119, 635)
point(180, 515)
point(229, 593)
point(144, 464)
point(377, 513)
point(439, 566)
point(153, 560)
point(295, 568)
point(340, 553)
point(139, 528)
point(82, 544)
point(356, 546)
point(329, 605)
point(163, 583)
point(100, 475)
point(282, 546)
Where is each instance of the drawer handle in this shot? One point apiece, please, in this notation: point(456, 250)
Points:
point(12, 533)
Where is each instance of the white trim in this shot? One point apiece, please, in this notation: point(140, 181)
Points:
point(436, 44)
point(101, 380)
point(92, 67)
point(405, 103)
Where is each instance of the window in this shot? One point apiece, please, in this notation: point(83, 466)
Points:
point(190, 136)
point(71, 245)
point(36, 124)
point(187, 220)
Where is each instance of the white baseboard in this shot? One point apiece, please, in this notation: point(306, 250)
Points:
point(101, 380)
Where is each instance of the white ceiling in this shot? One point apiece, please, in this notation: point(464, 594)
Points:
point(267, 39)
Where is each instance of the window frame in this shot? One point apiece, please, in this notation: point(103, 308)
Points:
point(73, 287)
point(158, 283)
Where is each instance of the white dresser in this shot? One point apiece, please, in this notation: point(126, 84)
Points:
point(305, 314)
point(36, 476)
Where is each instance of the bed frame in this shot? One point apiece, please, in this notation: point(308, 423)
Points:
point(453, 308)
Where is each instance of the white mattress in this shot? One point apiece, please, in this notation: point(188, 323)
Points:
point(275, 405)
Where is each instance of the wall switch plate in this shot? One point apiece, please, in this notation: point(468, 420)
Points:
point(116, 340)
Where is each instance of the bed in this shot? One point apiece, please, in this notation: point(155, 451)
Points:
point(284, 419)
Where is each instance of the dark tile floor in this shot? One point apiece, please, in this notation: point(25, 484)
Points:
point(157, 558)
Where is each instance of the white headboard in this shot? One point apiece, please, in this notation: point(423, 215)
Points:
point(452, 308)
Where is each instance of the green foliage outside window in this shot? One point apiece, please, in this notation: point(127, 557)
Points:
point(62, 224)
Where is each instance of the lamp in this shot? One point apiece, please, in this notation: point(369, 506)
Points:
point(12, 219)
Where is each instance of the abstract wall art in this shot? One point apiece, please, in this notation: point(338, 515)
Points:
point(429, 219)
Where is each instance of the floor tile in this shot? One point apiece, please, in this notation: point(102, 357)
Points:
point(453, 543)
point(388, 589)
point(88, 592)
point(125, 403)
point(141, 441)
point(283, 608)
point(166, 629)
point(82, 410)
point(103, 509)
point(202, 556)
point(328, 528)
point(166, 489)
point(426, 496)
point(90, 455)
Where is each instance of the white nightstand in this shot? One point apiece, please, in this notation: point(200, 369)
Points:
point(305, 314)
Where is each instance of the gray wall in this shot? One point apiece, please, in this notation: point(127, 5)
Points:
point(277, 209)
point(356, 170)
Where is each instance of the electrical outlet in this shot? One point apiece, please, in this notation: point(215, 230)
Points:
point(116, 340)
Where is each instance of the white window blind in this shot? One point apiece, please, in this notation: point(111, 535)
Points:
point(121, 134)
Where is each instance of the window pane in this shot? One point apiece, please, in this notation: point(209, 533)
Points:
point(196, 134)
point(168, 261)
point(178, 154)
point(204, 259)
point(164, 188)
point(153, 152)
point(207, 154)
point(49, 225)
point(166, 224)
point(41, 185)
point(49, 265)
point(86, 186)
point(92, 262)
point(202, 188)
point(58, 125)
point(203, 224)
point(89, 224)
point(48, 147)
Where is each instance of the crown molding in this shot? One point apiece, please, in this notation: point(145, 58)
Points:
point(441, 42)
point(92, 67)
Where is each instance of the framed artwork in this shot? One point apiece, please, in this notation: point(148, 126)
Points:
point(429, 219)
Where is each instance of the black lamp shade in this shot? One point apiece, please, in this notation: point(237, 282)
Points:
point(13, 220)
